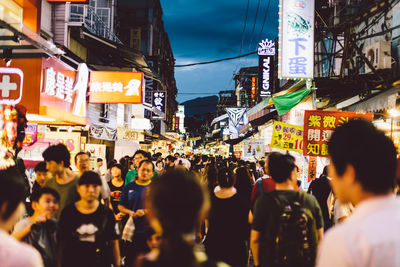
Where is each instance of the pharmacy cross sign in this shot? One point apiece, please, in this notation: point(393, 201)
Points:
point(11, 82)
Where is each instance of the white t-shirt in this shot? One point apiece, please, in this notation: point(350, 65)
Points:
point(17, 254)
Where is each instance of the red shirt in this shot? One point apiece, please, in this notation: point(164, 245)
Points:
point(267, 185)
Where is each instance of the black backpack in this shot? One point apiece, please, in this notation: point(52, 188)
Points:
point(295, 242)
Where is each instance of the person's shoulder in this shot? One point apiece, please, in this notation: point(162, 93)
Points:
point(12, 250)
point(50, 182)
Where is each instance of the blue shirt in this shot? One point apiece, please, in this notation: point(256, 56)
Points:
point(132, 198)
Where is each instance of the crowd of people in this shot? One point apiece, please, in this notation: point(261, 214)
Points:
point(197, 210)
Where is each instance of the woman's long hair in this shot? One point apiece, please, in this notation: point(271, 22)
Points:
point(176, 202)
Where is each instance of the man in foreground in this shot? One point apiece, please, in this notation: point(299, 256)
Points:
point(362, 171)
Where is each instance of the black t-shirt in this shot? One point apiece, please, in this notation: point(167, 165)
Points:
point(115, 196)
point(85, 238)
point(320, 188)
point(266, 218)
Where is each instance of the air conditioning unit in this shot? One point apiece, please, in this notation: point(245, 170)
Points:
point(379, 55)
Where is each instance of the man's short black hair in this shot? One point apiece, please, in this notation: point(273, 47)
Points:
point(204, 158)
point(116, 165)
point(81, 153)
point(41, 167)
point(281, 166)
point(146, 161)
point(89, 177)
point(142, 152)
point(171, 158)
point(59, 153)
point(372, 154)
point(37, 194)
point(99, 159)
point(12, 191)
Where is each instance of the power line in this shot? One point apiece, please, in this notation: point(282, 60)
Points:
point(244, 26)
point(265, 19)
point(215, 61)
point(254, 25)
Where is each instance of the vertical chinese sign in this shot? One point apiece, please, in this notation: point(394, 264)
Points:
point(296, 39)
point(312, 168)
point(319, 126)
point(159, 102)
point(266, 64)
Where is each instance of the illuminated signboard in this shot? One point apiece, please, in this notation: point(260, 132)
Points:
point(116, 87)
point(296, 39)
point(159, 102)
point(266, 53)
point(11, 84)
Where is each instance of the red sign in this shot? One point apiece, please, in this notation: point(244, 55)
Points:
point(312, 168)
point(11, 83)
point(116, 87)
point(176, 123)
point(319, 126)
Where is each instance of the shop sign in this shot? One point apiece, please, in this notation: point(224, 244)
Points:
point(127, 134)
point(287, 137)
point(96, 151)
point(238, 150)
point(194, 138)
point(71, 140)
point(116, 87)
point(296, 39)
point(159, 102)
point(177, 123)
point(312, 168)
point(266, 53)
point(11, 84)
point(65, 88)
point(31, 134)
point(319, 126)
point(102, 132)
point(253, 148)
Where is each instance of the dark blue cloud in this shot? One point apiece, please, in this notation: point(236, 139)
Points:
point(212, 29)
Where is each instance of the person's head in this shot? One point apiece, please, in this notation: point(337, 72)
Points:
point(89, 185)
point(41, 173)
point(325, 171)
point(57, 158)
point(12, 196)
point(145, 171)
point(177, 155)
point(170, 161)
point(139, 156)
point(183, 164)
point(266, 163)
point(204, 158)
point(177, 216)
point(99, 162)
point(243, 179)
point(82, 160)
point(225, 178)
point(116, 171)
point(159, 164)
point(153, 239)
point(282, 168)
point(45, 201)
point(363, 161)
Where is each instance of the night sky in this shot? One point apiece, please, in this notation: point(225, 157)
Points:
point(212, 29)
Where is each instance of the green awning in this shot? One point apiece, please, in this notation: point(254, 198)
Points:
point(284, 103)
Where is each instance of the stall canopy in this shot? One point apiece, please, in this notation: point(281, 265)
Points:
point(286, 102)
point(381, 101)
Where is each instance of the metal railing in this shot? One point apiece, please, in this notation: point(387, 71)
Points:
point(93, 22)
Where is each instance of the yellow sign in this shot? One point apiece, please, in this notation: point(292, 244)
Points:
point(287, 137)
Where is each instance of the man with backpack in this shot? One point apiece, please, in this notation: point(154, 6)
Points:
point(287, 224)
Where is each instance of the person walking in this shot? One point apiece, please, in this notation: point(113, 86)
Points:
point(227, 222)
point(64, 181)
point(86, 234)
point(363, 172)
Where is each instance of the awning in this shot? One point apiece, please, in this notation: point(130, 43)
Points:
point(381, 101)
point(260, 109)
point(286, 102)
point(220, 118)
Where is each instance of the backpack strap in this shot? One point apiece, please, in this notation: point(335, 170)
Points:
point(260, 186)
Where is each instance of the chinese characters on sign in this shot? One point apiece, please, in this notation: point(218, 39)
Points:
point(159, 102)
point(253, 148)
point(11, 84)
point(266, 52)
point(319, 126)
point(312, 168)
point(296, 39)
point(116, 87)
point(288, 137)
point(58, 84)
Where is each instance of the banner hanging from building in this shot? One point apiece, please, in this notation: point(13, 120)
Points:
point(319, 126)
point(159, 100)
point(296, 39)
point(287, 137)
point(253, 148)
point(116, 87)
point(312, 168)
point(266, 68)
